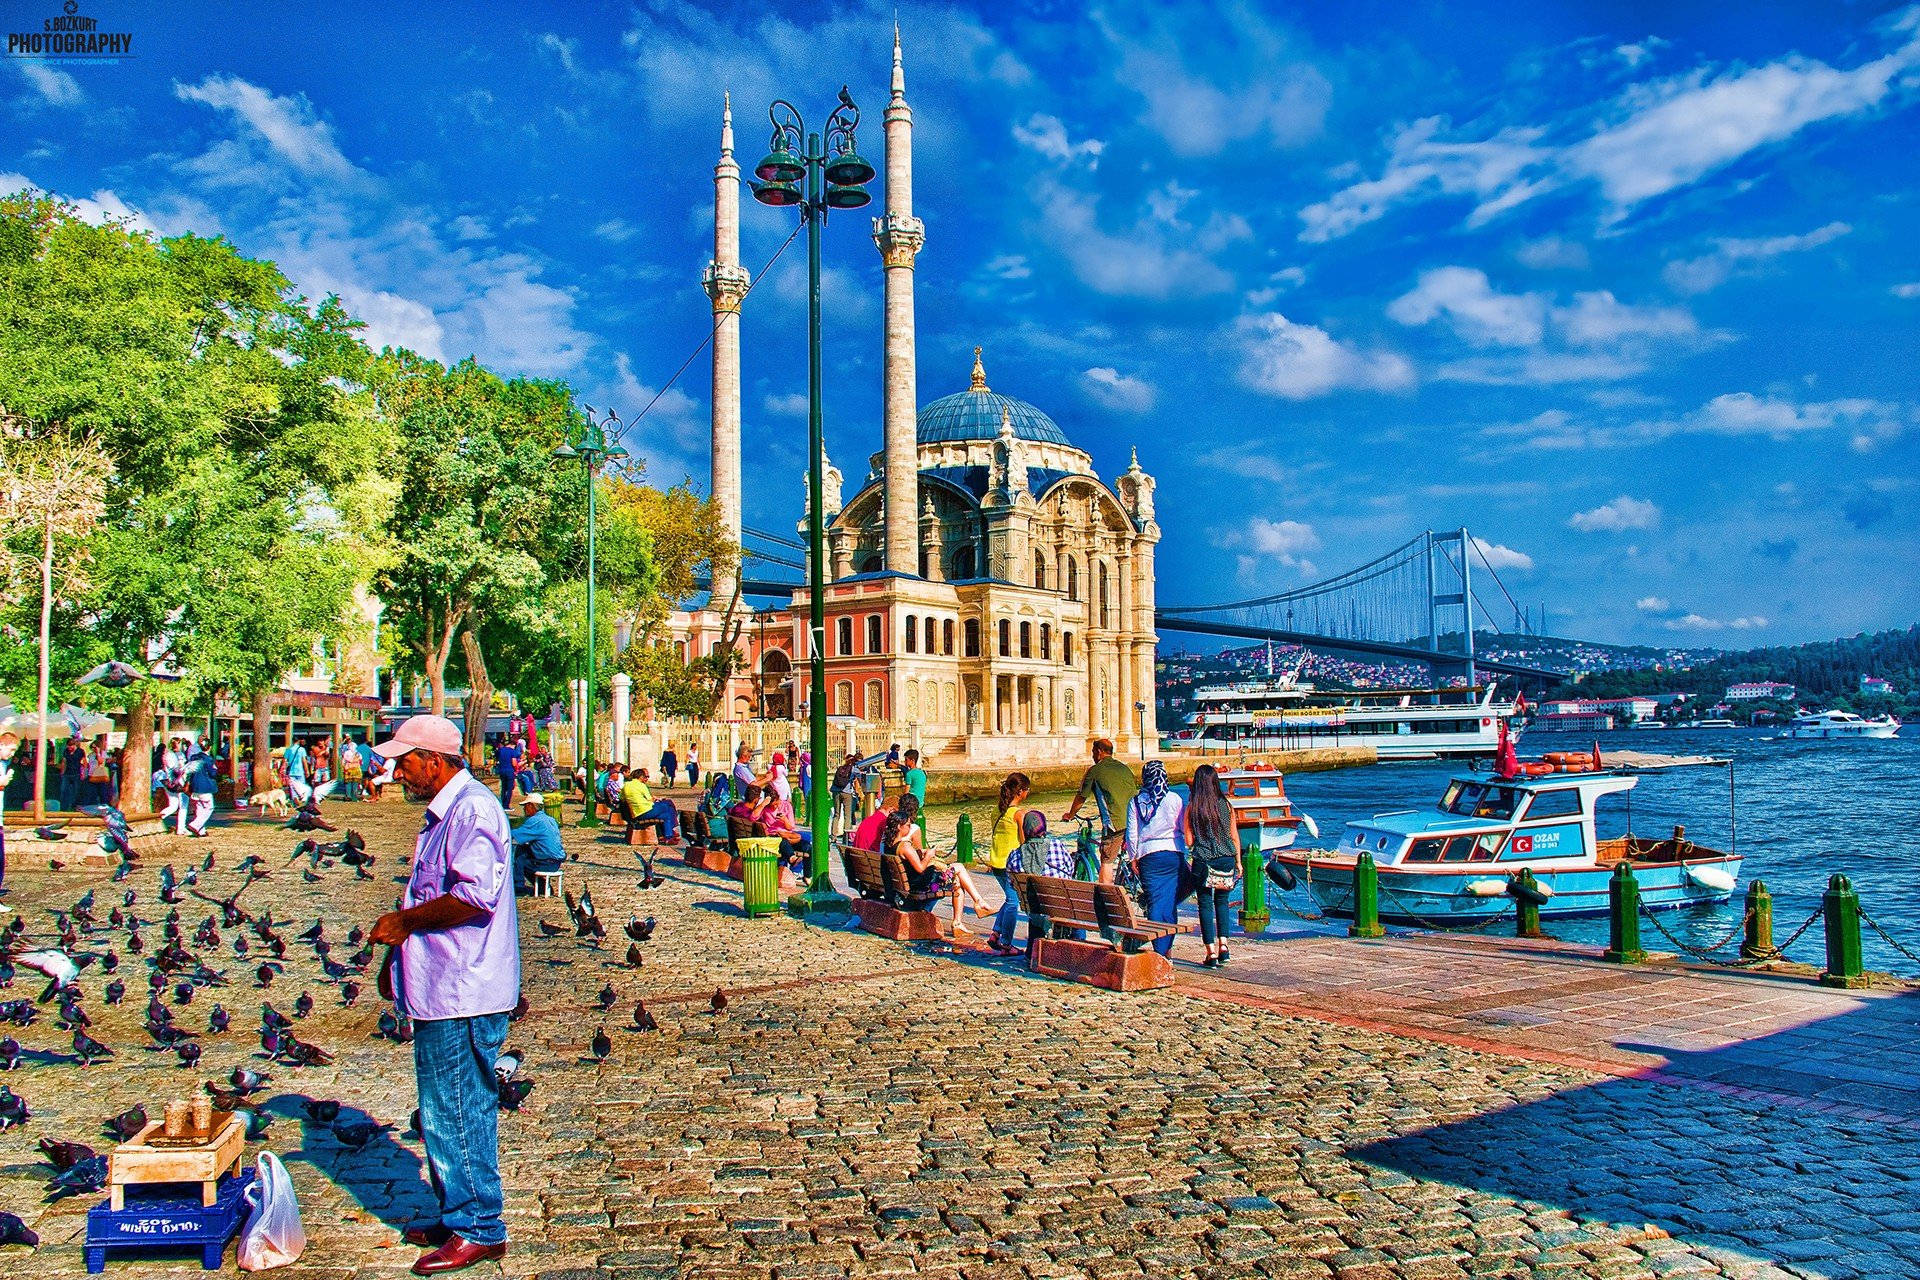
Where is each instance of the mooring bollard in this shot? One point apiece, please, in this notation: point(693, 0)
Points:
point(1842, 904)
point(1759, 940)
point(1527, 906)
point(963, 839)
point(1623, 918)
point(1253, 882)
point(1366, 899)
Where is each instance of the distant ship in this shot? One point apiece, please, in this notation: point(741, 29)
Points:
point(1840, 724)
point(1283, 713)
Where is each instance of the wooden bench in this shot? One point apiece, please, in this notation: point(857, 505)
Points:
point(887, 906)
point(1121, 960)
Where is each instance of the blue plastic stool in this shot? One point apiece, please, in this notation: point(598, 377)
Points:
point(169, 1217)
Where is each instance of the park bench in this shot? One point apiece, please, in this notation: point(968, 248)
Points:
point(886, 904)
point(1066, 916)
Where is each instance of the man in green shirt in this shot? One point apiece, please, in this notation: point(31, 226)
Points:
point(1112, 786)
point(914, 777)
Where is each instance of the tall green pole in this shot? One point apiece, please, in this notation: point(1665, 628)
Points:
point(592, 459)
point(820, 897)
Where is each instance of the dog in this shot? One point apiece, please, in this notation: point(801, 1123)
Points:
point(273, 801)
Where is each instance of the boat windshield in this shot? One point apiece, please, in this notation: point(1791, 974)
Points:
point(1480, 800)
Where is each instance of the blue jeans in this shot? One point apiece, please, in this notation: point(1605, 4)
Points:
point(1159, 883)
point(508, 779)
point(1214, 915)
point(460, 1120)
point(1008, 918)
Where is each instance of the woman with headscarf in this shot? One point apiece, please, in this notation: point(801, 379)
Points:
point(1154, 844)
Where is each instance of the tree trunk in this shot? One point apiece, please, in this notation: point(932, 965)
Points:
point(434, 655)
point(136, 758)
point(262, 740)
point(479, 694)
point(46, 668)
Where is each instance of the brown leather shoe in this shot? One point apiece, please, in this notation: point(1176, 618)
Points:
point(456, 1255)
point(430, 1236)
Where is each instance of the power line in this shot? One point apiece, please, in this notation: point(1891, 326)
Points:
point(774, 537)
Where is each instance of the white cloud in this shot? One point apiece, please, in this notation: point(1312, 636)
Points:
point(1117, 391)
point(287, 125)
point(1149, 260)
point(1541, 369)
point(1697, 622)
point(1743, 413)
point(1048, 135)
point(1009, 266)
point(1909, 290)
point(1299, 361)
point(102, 206)
point(616, 231)
point(468, 227)
point(1267, 542)
point(1499, 557)
point(1600, 319)
point(1478, 313)
point(1653, 604)
point(1553, 253)
point(1617, 516)
point(58, 87)
point(1653, 138)
point(793, 404)
point(1635, 54)
point(1709, 271)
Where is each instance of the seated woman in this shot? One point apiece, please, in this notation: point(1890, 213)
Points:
point(776, 817)
point(750, 809)
point(928, 876)
point(707, 825)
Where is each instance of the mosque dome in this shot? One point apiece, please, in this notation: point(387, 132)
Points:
point(976, 414)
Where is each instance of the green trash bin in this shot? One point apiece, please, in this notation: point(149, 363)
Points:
point(760, 874)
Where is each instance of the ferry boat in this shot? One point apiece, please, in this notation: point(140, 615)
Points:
point(1284, 713)
point(1452, 864)
point(1709, 724)
point(1840, 724)
point(1257, 794)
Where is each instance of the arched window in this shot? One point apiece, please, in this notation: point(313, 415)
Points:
point(1106, 616)
point(1066, 653)
point(875, 709)
point(946, 637)
point(1040, 569)
point(1073, 578)
point(873, 634)
point(843, 634)
point(1006, 637)
point(913, 634)
point(871, 564)
point(1026, 639)
point(973, 637)
point(963, 564)
point(933, 636)
point(1046, 642)
point(843, 698)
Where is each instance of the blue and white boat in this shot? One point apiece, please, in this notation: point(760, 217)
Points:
point(1452, 864)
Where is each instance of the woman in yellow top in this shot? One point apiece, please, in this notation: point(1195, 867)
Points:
point(1006, 838)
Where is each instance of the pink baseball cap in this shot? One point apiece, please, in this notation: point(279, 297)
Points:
point(423, 733)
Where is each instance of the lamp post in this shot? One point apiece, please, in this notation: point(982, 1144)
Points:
point(592, 450)
point(1140, 714)
point(815, 177)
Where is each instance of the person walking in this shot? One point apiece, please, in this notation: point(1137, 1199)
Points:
point(669, 766)
point(1154, 826)
point(1007, 837)
point(73, 775)
point(296, 762)
point(1110, 783)
point(846, 799)
point(203, 782)
point(454, 969)
point(1208, 827)
point(693, 765)
point(506, 766)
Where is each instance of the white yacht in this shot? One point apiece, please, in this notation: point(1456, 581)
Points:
point(1840, 724)
point(1284, 713)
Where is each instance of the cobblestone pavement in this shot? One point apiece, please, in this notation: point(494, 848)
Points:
point(867, 1108)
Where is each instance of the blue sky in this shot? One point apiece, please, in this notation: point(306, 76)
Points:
point(1629, 290)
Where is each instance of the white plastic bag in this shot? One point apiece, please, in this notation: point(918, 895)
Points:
point(273, 1236)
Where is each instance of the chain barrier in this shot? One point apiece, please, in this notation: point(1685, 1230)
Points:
point(1887, 937)
point(1705, 953)
point(1447, 926)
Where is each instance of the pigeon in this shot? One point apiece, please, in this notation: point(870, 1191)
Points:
point(72, 1016)
point(513, 1093)
point(115, 992)
point(64, 1155)
point(85, 1178)
point(14, 1231)
point(54, 864)
point(110, 962)
point(640, 930)
point(51, 833)
point(134, 945)
point(257, 1125)
point(224, 1099)
point(315, 933)
point(608, 996)
point(218, 1020)
point(718, 1004)
point(520, 1009)
point(633, 955)
point(240, 947)
point(355, 936)
point(648, 878)
point(88, 1048)
point(601, 1045)
point(349, 992)
point(355, 1135)
point(549, 930)
point(308, 877)
point(303, 1004)
point(393, 1028)
point(643, 1019)
point(272, 1017)
point(61, 969)
point(414, 1129)
point(183, 993)
point(507, 1065)
point(13, 1109)
point(247, 1082)
point(9, 1054)
point(189, 1052)
point(127, 1124)
point(264, 974)
point(321, 1110)
point(302, 1054)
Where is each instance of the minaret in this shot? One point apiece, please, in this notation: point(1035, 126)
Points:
point(899, 235)
point(726, 281)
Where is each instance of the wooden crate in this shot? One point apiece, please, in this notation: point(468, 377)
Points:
point(136, 1162)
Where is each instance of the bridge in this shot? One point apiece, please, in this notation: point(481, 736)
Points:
point(1417, 603)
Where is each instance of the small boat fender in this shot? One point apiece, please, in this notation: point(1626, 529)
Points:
point(1281, 874)
point(1485, 888)
point(1533, 895)
point(1719, 879)
point(1313, 828)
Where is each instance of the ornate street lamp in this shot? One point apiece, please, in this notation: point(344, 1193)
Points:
point(591, 449)
point(815, 176)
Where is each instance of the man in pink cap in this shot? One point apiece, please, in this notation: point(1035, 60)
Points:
point(455, 970)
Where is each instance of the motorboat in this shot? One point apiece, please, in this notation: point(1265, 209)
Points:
point(1840, 724)
point(1257, 794)
point(1454, 863)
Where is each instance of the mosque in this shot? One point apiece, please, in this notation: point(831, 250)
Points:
point(988, 594)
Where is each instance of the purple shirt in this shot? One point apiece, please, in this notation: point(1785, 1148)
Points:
point(466, 850)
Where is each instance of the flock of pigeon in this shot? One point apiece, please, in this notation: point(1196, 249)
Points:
point(184, 969)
